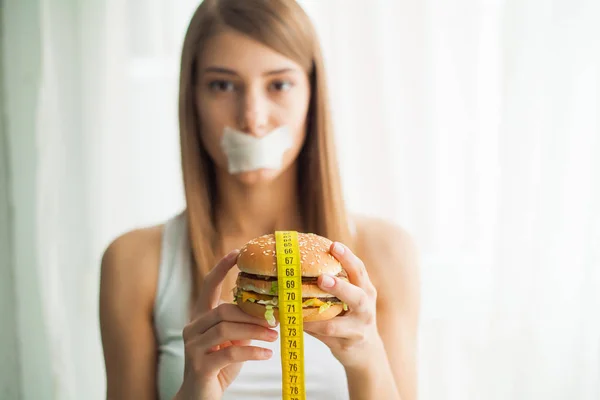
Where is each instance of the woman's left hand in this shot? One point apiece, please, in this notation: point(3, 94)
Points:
point(353, 337)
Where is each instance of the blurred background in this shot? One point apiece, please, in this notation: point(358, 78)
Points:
point(471, 123)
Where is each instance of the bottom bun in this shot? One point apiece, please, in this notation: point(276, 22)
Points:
point(308, 314)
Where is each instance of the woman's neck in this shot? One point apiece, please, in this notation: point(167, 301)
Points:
point(247, 211)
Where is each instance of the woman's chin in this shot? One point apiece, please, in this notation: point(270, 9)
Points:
point(257, 177)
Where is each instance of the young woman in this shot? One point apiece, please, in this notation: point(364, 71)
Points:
point(257, 156)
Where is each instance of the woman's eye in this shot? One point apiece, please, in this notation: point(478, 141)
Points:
point(221, 86)
point(281, 86)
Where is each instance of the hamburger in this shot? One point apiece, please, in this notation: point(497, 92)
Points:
point(256, 291)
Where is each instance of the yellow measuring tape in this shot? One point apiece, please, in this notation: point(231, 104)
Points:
point(291, 333)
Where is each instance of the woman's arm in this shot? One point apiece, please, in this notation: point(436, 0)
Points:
point(128, 281)
point(390, 257)
point(373, 379)
point(376, 340)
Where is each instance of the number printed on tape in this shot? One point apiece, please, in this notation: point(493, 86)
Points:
point(289, 279)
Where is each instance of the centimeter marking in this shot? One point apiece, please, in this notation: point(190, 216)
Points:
point(291, 331)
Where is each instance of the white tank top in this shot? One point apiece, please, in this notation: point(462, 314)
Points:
point(325, 376)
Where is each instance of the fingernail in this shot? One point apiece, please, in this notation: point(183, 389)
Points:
point(273, 334)
point(267, 353)
point(233, 254)
point(327, 281)
point(338, 248)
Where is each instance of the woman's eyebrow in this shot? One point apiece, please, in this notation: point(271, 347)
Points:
point(221, 70)
point(227, 71)
point(280, 71)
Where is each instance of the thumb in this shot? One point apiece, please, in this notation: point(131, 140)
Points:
point(210, 292)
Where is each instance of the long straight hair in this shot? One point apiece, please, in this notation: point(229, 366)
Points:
point(283, 26)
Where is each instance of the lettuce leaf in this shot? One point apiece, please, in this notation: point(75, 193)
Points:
point(324, 307)
point(345, 307)
point(270, 316)
point(273, 287)
point(274, 301)
point(309, 302)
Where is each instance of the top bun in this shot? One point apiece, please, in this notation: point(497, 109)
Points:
point(258, 256)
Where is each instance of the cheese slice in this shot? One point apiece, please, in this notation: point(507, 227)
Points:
point(314, 302)
point(246, 296)
point(255, 296)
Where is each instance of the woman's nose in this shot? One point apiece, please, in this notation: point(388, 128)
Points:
point(254, 114)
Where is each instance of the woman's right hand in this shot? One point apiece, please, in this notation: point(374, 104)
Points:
point(217, 340)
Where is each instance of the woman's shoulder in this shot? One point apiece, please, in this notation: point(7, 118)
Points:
point(388, 250)
point(130, 264)
point(378, 234)
point(135, 248)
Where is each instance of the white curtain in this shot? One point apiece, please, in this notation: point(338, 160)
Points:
point(472, 123)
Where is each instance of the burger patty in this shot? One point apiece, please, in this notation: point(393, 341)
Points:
point(333, 300)
point(325, 299)
point(305, 279)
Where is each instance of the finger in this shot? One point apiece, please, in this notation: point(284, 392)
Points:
point(210, 293)
point(228, 331)
point(327, 340)
point(355, 297)
point(235, 354)
point(357, 273)
point(224, 312)
point(342, 327)
point(219, 347)
point(231, 343)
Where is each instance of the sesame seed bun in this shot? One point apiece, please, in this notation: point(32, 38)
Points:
point(258, 257)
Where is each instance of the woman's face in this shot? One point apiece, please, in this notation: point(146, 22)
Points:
point(247, 86)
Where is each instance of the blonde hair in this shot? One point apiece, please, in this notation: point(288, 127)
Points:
point(283, 26)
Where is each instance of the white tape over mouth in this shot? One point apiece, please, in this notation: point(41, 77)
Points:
point(248, 153)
